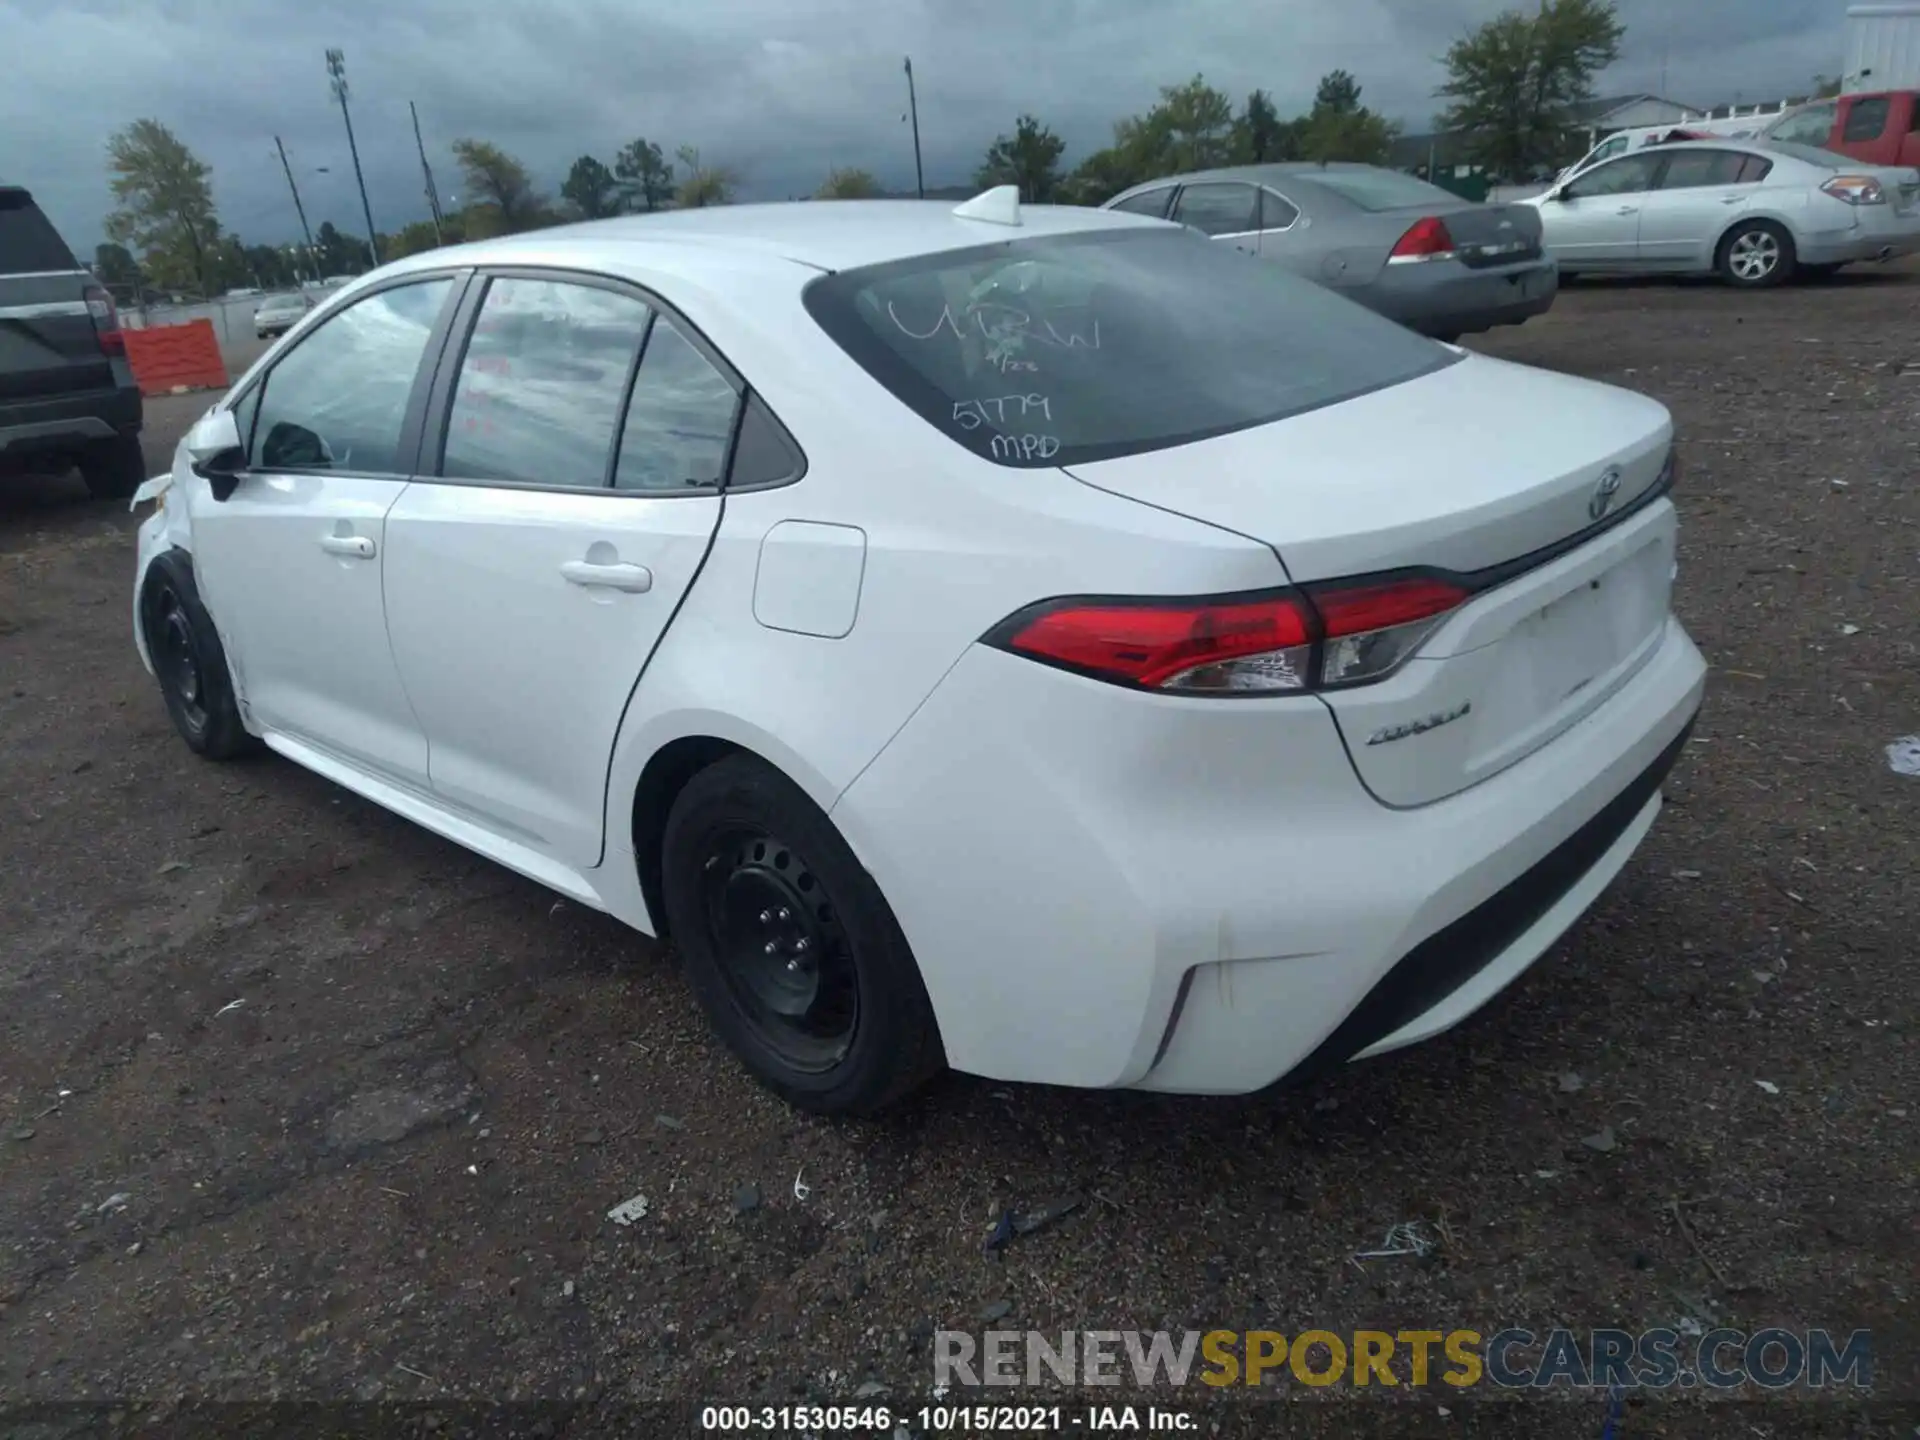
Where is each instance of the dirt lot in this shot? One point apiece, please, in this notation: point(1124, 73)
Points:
point(302, 1102)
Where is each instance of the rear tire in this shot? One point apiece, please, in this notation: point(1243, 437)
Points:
point(113, 469)
point(189, 662)
point(1754, 255)
point(789, 945)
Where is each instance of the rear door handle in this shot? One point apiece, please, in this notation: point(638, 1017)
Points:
point(634, 579)
point(1628, 210)
point(1730, 199)
point(358, 546)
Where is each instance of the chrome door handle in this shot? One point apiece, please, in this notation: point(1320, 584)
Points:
point(634, 579)
point(358, 546)
point(1628, 210)
point(1729, 199)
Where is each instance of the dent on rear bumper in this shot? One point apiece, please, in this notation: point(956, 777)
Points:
point(1063, 856)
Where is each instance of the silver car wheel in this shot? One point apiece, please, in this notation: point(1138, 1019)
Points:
point(1755, 255)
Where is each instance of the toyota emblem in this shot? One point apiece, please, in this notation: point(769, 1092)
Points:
point(1603, 493)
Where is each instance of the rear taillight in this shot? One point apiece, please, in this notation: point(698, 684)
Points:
point(1428, 239)
point(106, 321)
point(1856, 190)
point(1280, 641)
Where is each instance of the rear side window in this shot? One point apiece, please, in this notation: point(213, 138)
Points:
point(1690, 169)
point(538, 397)
point(1275, 212)
point(338, 401)
point(1153, 202)
point(680, 419)
point(1079, 348)
point(29, 244)
point(1753, 169)
point(1867, 118)
point(1219, 209)
point(1372, 189)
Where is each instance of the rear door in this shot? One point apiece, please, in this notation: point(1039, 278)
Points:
point(576, 453)
point(1594, 220)
point(48, 343)
point(1228, 210)
point(1701, 192)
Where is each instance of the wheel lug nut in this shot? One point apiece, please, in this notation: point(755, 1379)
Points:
point(785, 914)
point(802, 945)
point(766, 917)
point(772, 947)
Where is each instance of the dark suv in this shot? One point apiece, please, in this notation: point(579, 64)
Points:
point(67, 394)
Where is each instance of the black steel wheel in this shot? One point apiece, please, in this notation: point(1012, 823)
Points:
point(789, 945)
point(189, 662)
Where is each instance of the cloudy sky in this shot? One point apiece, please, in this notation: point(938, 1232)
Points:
point(779, 89)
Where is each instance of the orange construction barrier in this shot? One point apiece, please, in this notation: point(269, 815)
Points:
point(169, 357)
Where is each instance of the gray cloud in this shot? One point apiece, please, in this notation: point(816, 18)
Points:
point(779, 89)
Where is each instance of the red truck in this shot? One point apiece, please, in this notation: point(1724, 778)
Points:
point(1879, 128)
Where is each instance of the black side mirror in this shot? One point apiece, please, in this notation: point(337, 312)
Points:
point(222, 472)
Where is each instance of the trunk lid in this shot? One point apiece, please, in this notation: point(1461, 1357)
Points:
point(1487, 235)
point(1478, 467)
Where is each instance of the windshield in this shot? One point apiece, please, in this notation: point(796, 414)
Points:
point(1380, 189)
point(1085, 347)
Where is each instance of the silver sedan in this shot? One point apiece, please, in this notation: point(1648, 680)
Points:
point(1423, 256)
point(1753, 211)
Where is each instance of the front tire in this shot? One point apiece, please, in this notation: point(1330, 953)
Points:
point(189, 662)
point(790, 946)
point(1755, 254)
point(113, 469)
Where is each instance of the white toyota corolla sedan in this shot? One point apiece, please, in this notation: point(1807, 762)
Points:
point(1037, 641)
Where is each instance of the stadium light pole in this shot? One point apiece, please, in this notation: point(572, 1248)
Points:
point(337, 78)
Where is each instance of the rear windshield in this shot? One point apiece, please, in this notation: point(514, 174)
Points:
point(29, 244)
point(1813, 155)
point(1079, 348)
point(1380, 189)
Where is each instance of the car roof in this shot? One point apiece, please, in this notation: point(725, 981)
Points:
point(825, 235)
point(1274, 171)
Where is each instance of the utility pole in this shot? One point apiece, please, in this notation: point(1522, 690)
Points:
point(312, 258)
point(913, 108)
point(433, 196)
point(337, 73)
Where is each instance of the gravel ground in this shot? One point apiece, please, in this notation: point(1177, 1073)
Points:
point(301, 1102)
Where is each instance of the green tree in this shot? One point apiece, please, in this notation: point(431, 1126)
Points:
point(702, 184)
point(419, 237)
point(646, 179)
point(340, 253)
point(1513, 83)
point(848, 185)
point(1339, 127)
point(163, 204)
point(270, 265)
point(1028, 158)
point(501, 198)
point(115, 265)
point(1100, 177)
point(591, 189)
point(1338, 94)
point(1190, 128)
point(1261, 136)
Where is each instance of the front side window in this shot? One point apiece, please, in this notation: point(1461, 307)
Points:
point(1219, 209)
point(537, 401)
point(1867, 118)
point(680, 419)
point(1691, 169)
point(1619, 177)
point(338, 400)
point(1151, 202)
point(1077, 348)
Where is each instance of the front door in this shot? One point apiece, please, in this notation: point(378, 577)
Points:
point(292, 561)
point(1594, 220)
point(528, 584)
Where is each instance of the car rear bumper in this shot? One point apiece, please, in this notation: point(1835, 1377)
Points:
point(59, 423)
point(1448, 298)
point(1120, 890)
point(1880, 234)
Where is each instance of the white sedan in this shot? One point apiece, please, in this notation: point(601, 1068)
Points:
point(1752, 211)
point(1036, 641)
